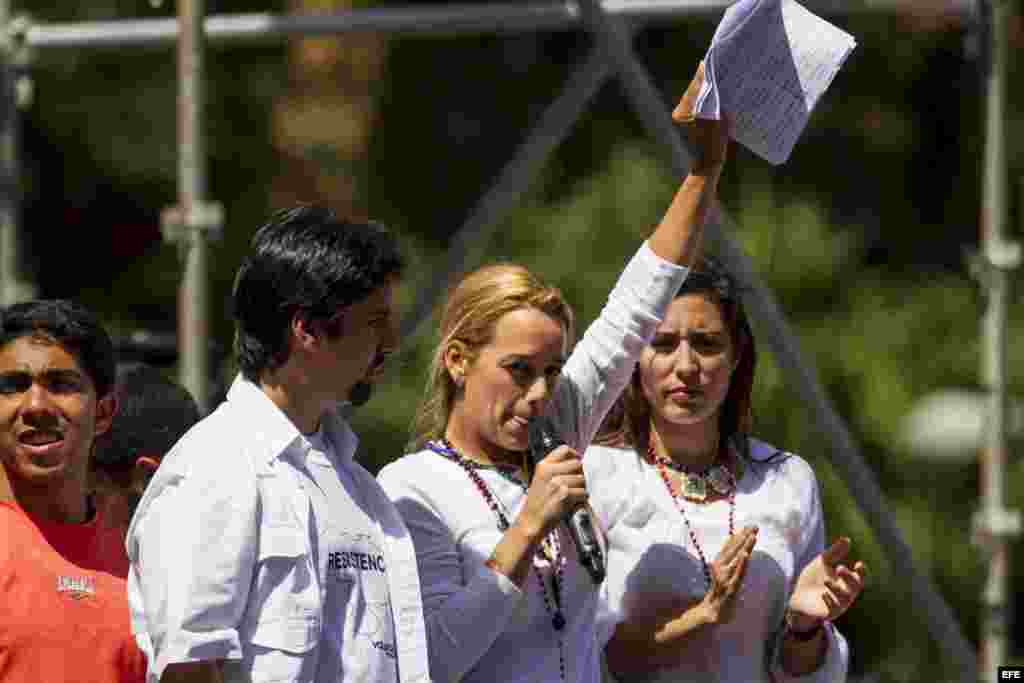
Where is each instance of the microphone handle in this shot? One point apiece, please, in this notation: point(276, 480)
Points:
point(581, 528)
point(544, 438)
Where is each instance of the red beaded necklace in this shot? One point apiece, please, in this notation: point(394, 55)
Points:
point(552, 604)
point(659, 462)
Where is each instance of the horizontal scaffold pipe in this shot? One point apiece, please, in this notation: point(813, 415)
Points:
point(438, 20)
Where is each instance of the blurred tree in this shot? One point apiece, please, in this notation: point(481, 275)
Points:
point(323, 121)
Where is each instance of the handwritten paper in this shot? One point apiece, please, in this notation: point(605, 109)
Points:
point(768, 64)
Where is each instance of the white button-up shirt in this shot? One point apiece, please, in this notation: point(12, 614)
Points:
point(227, 563)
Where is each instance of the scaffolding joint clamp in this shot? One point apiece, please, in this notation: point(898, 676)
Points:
point(17, 54)
point(1003, 254)
point(180, 225)
point(1000, 524)
point(14, 36)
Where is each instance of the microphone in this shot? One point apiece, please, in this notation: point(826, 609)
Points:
point(544, 438)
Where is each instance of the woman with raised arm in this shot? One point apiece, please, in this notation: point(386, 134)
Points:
point(717, 569)
point(504, 596)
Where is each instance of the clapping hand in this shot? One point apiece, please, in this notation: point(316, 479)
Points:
point(727, 573)
point(826, 588)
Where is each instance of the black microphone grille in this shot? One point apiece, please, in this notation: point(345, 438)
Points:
point(543, 438)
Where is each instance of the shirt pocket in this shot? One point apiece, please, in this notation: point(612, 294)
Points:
point(287, 615)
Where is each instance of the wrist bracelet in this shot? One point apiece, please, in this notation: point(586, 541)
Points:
point(802, 636)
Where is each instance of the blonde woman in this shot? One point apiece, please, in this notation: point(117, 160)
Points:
point(505, 598)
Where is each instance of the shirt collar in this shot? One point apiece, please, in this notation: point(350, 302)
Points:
point(277, 433)
point(339, 434)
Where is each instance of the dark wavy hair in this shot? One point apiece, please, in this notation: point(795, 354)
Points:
point(69, 325)
point(305, 261)
point(628, 424)
point(153, 412)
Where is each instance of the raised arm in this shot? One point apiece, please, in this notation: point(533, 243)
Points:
point(679, 235)
point(603, 361)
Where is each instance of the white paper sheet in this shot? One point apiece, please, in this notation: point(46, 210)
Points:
point(768, 64)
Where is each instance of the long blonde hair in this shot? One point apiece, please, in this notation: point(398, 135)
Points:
point(468, 318)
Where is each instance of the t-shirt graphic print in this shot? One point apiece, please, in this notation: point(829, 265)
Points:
point(359, 631)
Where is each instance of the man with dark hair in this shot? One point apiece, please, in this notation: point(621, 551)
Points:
point(153, 412)
point(63, 607)
point(261, 550)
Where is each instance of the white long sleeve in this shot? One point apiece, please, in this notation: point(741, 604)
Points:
point(480, 626)
point(467, 605)
point(600, 366)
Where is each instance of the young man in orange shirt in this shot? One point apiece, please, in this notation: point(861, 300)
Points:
point(63, 597)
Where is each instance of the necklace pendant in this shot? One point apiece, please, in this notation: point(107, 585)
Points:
point(720, 480)
point(545, 554)
point(558, 621)
point(694, 487)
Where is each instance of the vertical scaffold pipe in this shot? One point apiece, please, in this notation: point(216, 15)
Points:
point(996, 524)
point(193, 297)
point(14, 285)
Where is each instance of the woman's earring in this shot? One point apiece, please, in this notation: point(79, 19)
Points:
point(735, 364)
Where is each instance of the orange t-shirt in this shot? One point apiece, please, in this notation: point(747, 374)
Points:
point(64, 603)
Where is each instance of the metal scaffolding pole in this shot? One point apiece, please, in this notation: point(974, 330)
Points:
point(995, 524)
point(15, 286)
point(931, 609)
point(553, 127)
point(438, 20)
point(192, 221)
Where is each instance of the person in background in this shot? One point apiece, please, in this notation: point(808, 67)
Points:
point(717, 565)
point(153, 412)
point(63, 598)
point(505, 596)
point(261, 550)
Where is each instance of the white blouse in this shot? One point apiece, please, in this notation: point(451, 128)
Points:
point(480, 626)
point(652, 558)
